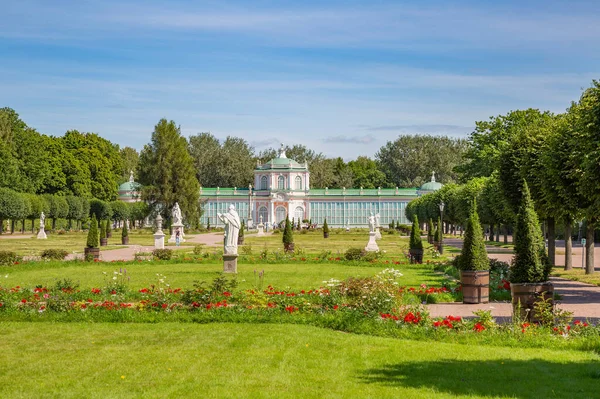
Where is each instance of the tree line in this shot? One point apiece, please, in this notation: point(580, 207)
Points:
point(556, 155)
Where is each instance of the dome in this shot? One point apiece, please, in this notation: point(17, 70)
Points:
point(130, 190)
point(431, 185)
point(282, 162)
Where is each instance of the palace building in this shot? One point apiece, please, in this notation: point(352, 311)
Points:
point(282, 187)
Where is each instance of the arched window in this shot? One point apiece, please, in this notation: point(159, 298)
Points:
point(281, 183)
point(264, 213)
point(280, 214)
point(263, 183)
point(299, 214)
point(298, 185)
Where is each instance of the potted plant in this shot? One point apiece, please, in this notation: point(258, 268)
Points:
point(241, 234)
point(103, 239)
point(430, 231)
point(415, 243)
point(92, 249)
point(288, 236)
point(437, 235)
point(325, 229)
point(530, 267)
point(473, 262)
point(108, 229)
point(125, 234)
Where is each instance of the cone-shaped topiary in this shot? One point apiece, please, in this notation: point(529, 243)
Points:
point(473, 255)
point(437, 236)
point(325, 227)
point(415, 235)
point(430, 231)
point(125, 231)
point(530, 264)
point(299, 225)
point(93, 239)
point(242, 228)
point(102, 229)
point(288, 236)
point(392, 225)
point(108, 228)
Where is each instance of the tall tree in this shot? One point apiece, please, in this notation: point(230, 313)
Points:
point(366, 174)
point(409, 160)
point(129, 158)
point(166, 172)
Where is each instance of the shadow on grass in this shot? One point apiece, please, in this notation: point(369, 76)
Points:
point(493, 378)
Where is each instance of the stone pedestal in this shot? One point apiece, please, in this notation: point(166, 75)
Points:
point(41, 234)
point(261, 229)
point(230, 263)
point(372, 245)
point(377, 234)
point(159, 240)
point(175, 227)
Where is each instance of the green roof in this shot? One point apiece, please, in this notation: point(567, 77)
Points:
point(129, 186)
point(212, 191)
point(431, 186)
point(350, 192)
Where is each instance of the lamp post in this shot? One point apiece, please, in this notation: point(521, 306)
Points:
point(442, 227)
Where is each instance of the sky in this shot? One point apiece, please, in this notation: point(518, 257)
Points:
point(341, 77)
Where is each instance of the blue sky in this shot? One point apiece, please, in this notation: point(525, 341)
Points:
point(342, 77)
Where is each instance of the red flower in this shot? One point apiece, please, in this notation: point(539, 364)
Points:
point(96, 291)
point(227, 294)
point(144, 290)
point(478, 327)
point(164, 305)
point(335, 307)
point(23, 300)
point(291, 309)
point(271, 305)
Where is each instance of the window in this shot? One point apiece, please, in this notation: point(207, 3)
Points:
point(280, 214)
point(298, 185)
point(281, 183)
point(263, 183)
point(299, 214)
point(264, 213)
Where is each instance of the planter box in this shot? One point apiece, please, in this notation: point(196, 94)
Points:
point(240, 240)
point(125, 240)
point(475, 285)
point(103, 242)
point(526, 295)
point(325, 235)
point(92, 251)
point(288, 247)
point(416, 255)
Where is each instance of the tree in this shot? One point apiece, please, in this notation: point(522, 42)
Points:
point(100, 209)
point(473, 255)
point(415, 235)
point(342, 174)
point(93, 237)
point(366, 174)
point(325, 229)
point(288, 235)
point(129, 159)
point(120, 211)
point(11, 205)
point(322, 173)
point(166, 172)
point(430, 231)
point(58, 208)
point(75, 208)
point(408, 161)
point(297, 152)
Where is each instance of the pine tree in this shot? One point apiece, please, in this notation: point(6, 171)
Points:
point(530, 264)
point(108, 228)
point(288, 235)
point(102, 229)
point(415, 235)
point(437, 236)
point(93, 239)
point(124, 232)
point(473, 255)
point(325, 227)
point(430, 231)
point(167, 174)
point(242, 228)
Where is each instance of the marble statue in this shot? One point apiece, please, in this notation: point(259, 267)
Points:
point(371, 220)
point(42, 221)
point(232, 223)
point(177, 215)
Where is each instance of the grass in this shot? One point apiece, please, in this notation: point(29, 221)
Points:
point(295, 275)
point(577, 274)
point(73, 360)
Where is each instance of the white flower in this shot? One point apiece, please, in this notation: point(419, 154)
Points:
point(115, 277)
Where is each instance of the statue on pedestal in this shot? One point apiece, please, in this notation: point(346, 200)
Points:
point(177, 219)
point(232, 223)
point(42, 233)
point(371, 220)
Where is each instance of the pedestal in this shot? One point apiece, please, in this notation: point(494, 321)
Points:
point(41, 234)
point(159, 240)
point(175, 227)
point(261, 229)
point(377, 234)
point(230, 263)
point(372, 245)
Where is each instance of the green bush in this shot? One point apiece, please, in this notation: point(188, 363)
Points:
point(163, 254)
point(242, 228)
point(125, 231)
point(288, 235)
point(415, 235)
point(93, 239)
point(54, 254)
point(198, 249)
point(103, 224)
point(353, 254)
point(530, 264)
point(325, 227)
point(437, 236)
point(369, 256)
point(9, 258)
point(473, 255)
point(430, 234)
point(404, 228)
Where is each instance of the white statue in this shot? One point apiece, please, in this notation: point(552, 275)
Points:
point(42, 221)
point(232, 223)
point(176, 215)
point(377, 220)
point(371, 220)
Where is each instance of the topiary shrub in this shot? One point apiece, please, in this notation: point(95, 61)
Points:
point(54, 254)
point(198, 249)
point(415, 235)
point(8, 258)
point(437, 235)
point(473, 255)
point(163, 254)
point(242, 228)
point(103, 228)
point(530, 264)
point(288, 236)
point(430, 235)
point(353, 254)
point(93, 238)
point(125, 231)
point(325, 229)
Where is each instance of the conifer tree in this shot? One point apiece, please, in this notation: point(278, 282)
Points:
point(415, 235)
point(93, 239)
point(430, 231)
point(124, 232)
point(437, 236)
point(473, 255)
point(325, 227)
point(288, 235)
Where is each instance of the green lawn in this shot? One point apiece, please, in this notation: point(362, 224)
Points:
point(295, 275)
point(74, 360)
